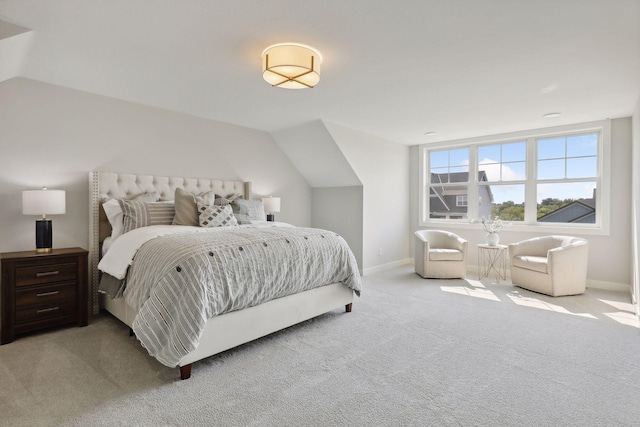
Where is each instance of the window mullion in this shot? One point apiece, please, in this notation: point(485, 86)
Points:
point(472, 208)
point(530, 188)
point(425, 188)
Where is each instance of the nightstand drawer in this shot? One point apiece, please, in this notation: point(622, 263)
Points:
point(26, 276)
point(49, 294)
point(44, 311)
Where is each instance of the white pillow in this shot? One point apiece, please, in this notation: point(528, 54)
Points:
point(114, 215)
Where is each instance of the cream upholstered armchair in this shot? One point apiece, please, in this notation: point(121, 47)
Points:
point(440, 254)
point(552, 265)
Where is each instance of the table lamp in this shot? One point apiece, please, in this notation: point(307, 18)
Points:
point(271, 205)
point(43, 202)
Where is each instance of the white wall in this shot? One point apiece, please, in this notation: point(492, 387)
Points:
point(14, 42)
point(383, 169)
point(54, 136)
point(635, 219)
point(340, 209)
point(609, 257)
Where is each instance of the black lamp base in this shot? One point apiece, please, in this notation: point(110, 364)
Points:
point(44, 236)
point(270, 217)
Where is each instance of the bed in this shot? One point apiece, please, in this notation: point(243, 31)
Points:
point(234, 322)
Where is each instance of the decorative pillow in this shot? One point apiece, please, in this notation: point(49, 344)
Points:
point(254, 209)
point(215, 216)
point(226, 200)
point(113, 211)
point(242, 218)
point(138, 214)
point(186, 207)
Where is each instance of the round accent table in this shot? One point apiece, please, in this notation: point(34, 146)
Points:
point(492, 259)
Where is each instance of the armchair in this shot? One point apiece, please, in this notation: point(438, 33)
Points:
point(552, 265)
point(440, 254)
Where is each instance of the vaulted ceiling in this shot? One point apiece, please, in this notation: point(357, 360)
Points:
point(393, 69)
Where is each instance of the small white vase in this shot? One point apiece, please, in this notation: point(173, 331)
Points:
point(492, 239)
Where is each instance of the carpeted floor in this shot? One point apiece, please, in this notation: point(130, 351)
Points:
point(413, 352)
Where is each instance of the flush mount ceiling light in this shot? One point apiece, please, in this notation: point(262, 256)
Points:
point(291, 65)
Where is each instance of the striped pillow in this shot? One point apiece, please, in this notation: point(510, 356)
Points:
point(138, 214)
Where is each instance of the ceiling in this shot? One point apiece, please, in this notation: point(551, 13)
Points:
point(393, 69)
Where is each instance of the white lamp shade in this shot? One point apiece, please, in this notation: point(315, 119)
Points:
point(291, 65)
point(43, 202)
point(271, 204)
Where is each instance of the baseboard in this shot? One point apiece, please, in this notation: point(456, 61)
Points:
point(388, 266)
point(609, 286)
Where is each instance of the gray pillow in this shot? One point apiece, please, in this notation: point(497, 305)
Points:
point(242, 218)
point(226, 200)
point(252, 208)
point(186, 207)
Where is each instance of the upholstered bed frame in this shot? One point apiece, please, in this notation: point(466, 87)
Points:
point(221, 332)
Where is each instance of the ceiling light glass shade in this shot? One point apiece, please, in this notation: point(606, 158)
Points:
point(291, 65)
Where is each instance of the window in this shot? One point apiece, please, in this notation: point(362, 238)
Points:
point(448, 182)
point(540, 178)
point(501, 177)
point(567, 179)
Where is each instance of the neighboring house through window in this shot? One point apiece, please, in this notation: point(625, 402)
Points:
point(451, 201)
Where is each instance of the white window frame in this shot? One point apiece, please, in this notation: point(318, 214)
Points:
point(603, 181)
point(462, 200)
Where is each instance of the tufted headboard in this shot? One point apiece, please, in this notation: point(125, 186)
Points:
point(108, 185)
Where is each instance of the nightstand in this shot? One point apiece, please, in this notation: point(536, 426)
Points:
point(40, 291)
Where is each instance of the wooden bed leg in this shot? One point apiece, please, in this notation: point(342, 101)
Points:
point(348, 307)
point(185, 372)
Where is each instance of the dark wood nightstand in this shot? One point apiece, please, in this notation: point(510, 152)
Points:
point(42, 290)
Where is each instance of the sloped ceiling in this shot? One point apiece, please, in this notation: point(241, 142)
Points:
point(393, 69)
point(13, 49)
point(316, 155)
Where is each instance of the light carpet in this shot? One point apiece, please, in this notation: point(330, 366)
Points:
point(413, 352)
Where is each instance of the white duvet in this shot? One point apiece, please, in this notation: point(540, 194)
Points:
point(118, 258)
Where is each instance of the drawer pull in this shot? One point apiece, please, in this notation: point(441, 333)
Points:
point(48, 273)
point(47, 294)
point(46, 310)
